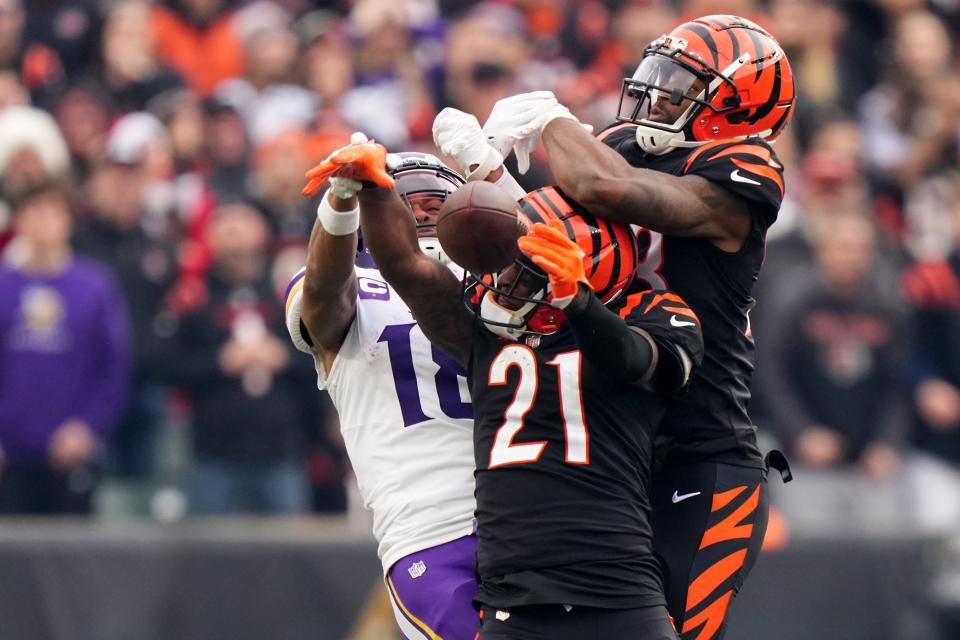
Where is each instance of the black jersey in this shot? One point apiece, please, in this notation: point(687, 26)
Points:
point(563, 457)
point(712, 421)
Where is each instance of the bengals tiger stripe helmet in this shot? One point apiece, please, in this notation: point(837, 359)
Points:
point(610, 260)
point(733, 76)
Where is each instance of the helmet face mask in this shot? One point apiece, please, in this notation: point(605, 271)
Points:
point(425, 182)
point(730, 77)
point(516, 302)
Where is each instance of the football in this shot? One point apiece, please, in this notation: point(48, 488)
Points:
point(478, 227)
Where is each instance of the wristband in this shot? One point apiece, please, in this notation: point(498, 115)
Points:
point(338, 223)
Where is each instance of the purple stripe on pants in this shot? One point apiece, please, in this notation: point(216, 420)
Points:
point(437, 586)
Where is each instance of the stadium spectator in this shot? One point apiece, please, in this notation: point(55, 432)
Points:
point(390, 99)
point(487, 58)
point(278, 168)
point(140, 142)
point(31, 147)
point(197, 38)
point(813, 55)
point(181, 113)
point(226, 150)
point(145, 265)
point(267, 95)
point(64, 361)
point(933, 290)
point(11, 33)
point(12, 92)
point(83, 115)
point(594, 92)
point(485, 55)
point(911, 122)
point(31, 150)
point(251, 402)
point(328, 67)
point(38, 65)
point(835, 352)
point(69, 28)
point(829, 179)
point(131, 74)
point(328, 70)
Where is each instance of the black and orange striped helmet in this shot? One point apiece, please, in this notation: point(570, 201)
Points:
point(730, 74)
point(610, 260)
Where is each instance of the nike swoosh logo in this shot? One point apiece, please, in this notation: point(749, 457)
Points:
point(680, 323)
point(677, 498)
point(736, 177)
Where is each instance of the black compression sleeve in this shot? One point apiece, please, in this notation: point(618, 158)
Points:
point(607, 341)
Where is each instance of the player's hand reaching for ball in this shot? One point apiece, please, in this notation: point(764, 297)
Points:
point(562, 259)
point(517, 122)
point(458, 135)
point(360, 161)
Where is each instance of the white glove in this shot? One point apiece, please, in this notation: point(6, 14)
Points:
point(517, 123)
point(458, 135)
point(514, 124)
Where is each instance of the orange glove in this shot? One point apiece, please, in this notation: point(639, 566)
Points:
point(562, 259)
point(361, 161)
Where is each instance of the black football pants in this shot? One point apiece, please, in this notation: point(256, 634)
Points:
point(709, 520)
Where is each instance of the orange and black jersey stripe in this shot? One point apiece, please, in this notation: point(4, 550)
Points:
point(711, 422)
point(747, 168)
point(563, 454)
point(613, 250)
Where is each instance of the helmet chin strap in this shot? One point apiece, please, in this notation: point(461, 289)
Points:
point(511, 325)
point(431, 247)
point(657, 141)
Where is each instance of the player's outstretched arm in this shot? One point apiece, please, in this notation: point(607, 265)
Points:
point(428, 287)
point(620, 345)
point(458, 135)
point(643, 351)
point(329, 301)
point(601, 180)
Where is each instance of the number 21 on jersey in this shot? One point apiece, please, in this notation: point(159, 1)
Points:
point(504, 450)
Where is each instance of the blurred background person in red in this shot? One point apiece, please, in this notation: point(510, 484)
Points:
point(932, 288)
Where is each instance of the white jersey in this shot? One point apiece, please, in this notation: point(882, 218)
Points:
point(406, 419)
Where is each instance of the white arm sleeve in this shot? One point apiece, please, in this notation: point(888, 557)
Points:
point(294, 299)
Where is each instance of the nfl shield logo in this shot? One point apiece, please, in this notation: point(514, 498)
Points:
point(417, 569)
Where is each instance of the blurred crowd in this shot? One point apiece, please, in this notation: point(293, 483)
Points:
point(152, 154)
